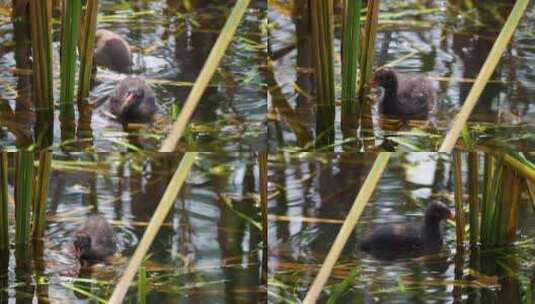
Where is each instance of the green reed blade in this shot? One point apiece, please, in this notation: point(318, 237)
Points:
point(142, 285)
point(350, 60)
point(367, 55)
point(4, 201)
point(368, 49)
point(87, 44)
point(69, 43)
point(41, 194)
point(23, 196)
point(473, 196)
point(43, 96)
point(458, 194)
point(322, 26)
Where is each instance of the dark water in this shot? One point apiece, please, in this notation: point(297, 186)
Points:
point(206, 252)
point(170, 45)
point(447, 42)
point(310, 196)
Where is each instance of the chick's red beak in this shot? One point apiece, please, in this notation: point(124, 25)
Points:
point(129, 98)
point(76, 252)
point(372, 82)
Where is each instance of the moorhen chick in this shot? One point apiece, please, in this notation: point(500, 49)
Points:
point(95, 241)
point(133, 101)
point(411, 239)
point(405, 96)
point(112, 51)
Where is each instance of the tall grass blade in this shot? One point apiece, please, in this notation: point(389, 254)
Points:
point(487, 205)
point(366, 65)
point(458, 194)
point(43, 96)
point(322, 27)
point(4, 202)
point(69, 43)
point(350, 60)
point(155, 223)
point(484, 75)
point(368, 49)
point(87, 44)
point(206, 74)
point(142, 285)
point(263, 166)
point(351, 220)
point(473, 196)
point(23, 196)
point(41, 194)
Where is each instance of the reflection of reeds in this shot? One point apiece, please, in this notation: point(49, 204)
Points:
point(366, 191)
point(484, 75)
point(4, 201)
point(211, 64)
point(156, 222)
point(40, 19)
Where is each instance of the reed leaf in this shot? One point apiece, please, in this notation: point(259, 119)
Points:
point(487, 205)
point(368, 49)
point(23, 196)
point(458, 194)
point(4, 202)
point(521, 165)
point(473, 196)
point(350, 60)
point(87, 44)
point(367, 55)
point(42, 83)
point(322, 28)
point(142, 285)
point(155, 223)
point(512, 200)
point(263, 168)
point(206, 74)
point(41, 194)
point(70, 33)
point(345, 232)
point(499, 47)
